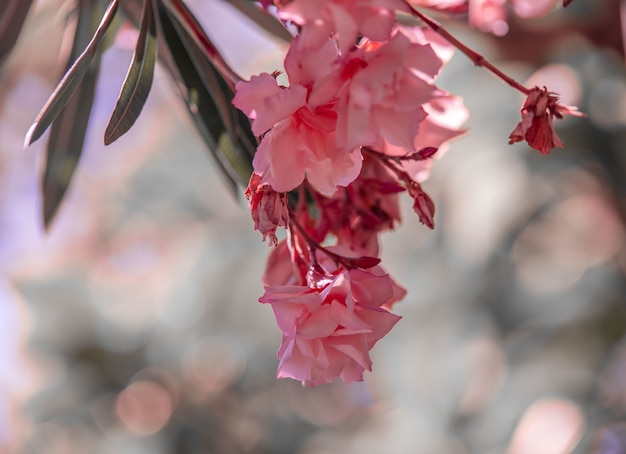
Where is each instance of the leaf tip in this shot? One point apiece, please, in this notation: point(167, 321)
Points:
point(109, 138)
point(29, 138)
point(49, 211)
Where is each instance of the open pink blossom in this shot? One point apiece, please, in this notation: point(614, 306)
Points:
point(382, 91)
point(298, 139)
point(537, 125)
point(301, 146)
point(328, 332)
point(268, 207)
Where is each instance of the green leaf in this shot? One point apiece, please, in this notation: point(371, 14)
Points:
point(138, 80)
point(71, 80)
point(67, 134)
point(208, 97)
point(12, 19)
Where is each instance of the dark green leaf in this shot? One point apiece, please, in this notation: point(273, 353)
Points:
point(67, 133)
point(71, 80)
point(13, 15)
point(208, 97)
point(138, 81)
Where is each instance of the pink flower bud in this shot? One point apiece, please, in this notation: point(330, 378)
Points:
point(423, 205)
point(268, 208)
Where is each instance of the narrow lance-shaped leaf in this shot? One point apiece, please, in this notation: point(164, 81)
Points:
point(208, 97)
point(12, 16)
point(71, 80)
point(184, 18)
point(218, 79)
point(67, 134)
point(138, 80)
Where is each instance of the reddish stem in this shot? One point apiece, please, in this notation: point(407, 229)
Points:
point(313, 246)
point(477, 58)
point(389, 162)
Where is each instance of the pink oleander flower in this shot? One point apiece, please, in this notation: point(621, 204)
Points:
point(381, 91)
point(327, 332)
point(268, 208)
point(298, 138)
point(536, 127)
point(345, 20)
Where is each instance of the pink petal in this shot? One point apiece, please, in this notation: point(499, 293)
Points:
point(354, 347)
point(370, 289)
point(380, 320)
point(305, 66)
point(352, 373)
point(318, 324)
point(351, 323)
point(276, 159)
point(278, 107)
point(339, 170)
point(398, 128)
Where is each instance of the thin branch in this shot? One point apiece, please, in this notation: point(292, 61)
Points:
point(477, 58)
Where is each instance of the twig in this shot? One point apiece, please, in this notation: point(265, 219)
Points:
point(477, 58)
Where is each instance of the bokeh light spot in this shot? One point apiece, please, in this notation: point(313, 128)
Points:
point(144, 407)
point(549, 426)
point(212, 365)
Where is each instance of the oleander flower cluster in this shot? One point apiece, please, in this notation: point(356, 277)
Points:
point(359, 122)
point(354, 121)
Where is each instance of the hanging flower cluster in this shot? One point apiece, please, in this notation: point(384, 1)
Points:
point(359, 122)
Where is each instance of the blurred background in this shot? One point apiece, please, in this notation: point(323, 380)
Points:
point(132, 325)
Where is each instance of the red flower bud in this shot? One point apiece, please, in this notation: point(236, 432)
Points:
point(268, 208)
